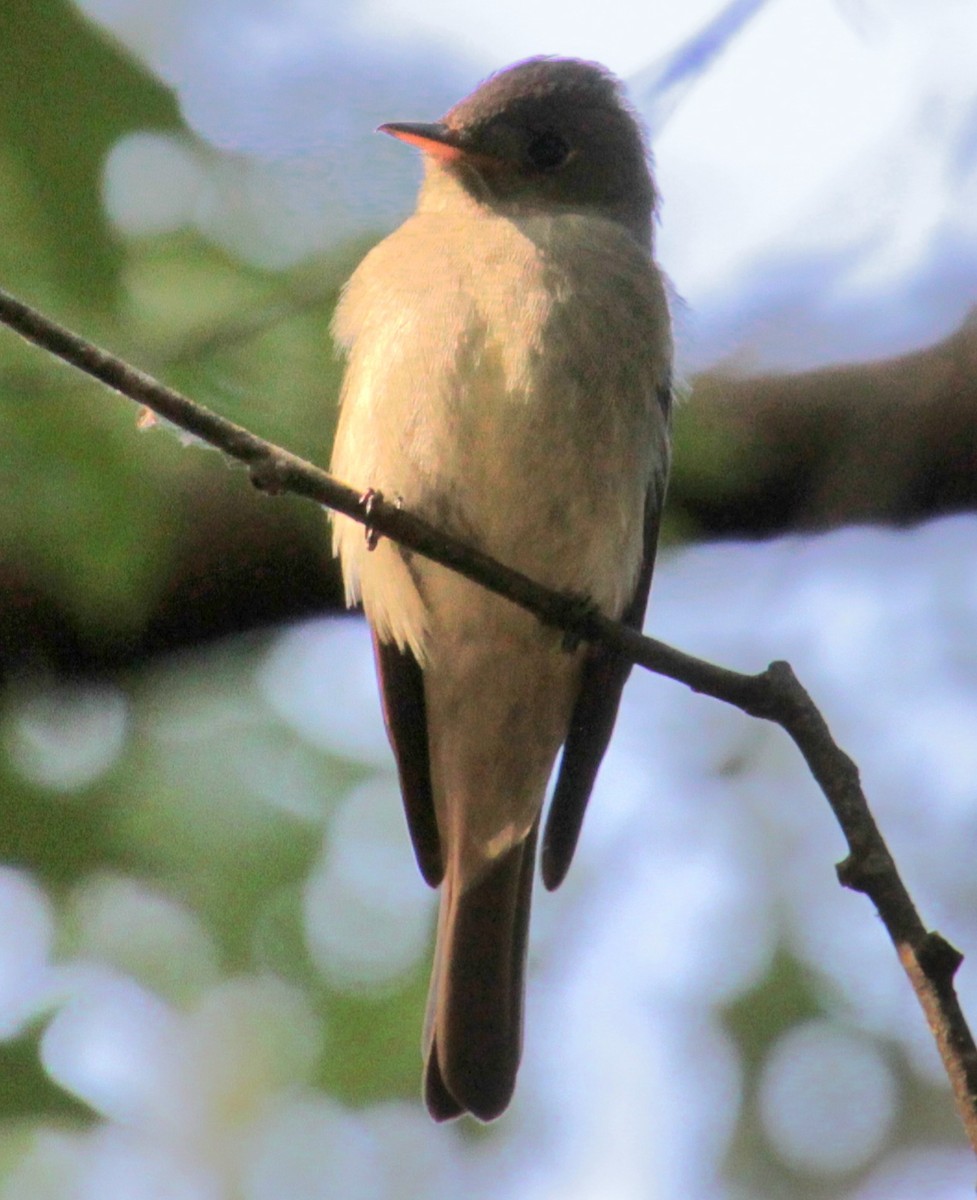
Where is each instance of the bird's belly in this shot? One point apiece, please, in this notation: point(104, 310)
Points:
point(550, 478)
point(517, 414)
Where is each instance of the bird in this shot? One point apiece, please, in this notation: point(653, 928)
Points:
point(509, 379)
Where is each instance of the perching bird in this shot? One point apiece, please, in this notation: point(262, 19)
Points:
point(509, 379)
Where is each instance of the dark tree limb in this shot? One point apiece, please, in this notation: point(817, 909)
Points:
point(890, 441)
point(773, 695)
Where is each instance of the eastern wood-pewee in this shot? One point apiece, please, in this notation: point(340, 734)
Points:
point(509, 379)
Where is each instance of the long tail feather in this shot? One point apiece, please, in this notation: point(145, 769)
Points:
point(476, 999)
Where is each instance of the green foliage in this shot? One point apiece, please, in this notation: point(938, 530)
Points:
point(95, 514)
point(56, 126)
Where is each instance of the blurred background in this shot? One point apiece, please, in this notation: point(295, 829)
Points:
point(213, 939)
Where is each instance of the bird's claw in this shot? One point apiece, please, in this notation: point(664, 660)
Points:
point(369, 500)
point(578, 613)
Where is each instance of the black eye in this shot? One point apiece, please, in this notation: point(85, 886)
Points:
point(547, 151)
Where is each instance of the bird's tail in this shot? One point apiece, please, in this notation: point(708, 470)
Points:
point(474, 1021)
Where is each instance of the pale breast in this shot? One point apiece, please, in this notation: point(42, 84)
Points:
point(503, 381)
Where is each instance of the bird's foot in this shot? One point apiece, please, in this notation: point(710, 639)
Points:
point(369, 500)
point(576, 620)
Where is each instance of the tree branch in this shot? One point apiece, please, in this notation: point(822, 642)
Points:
point(773, 695)
point(887, 441)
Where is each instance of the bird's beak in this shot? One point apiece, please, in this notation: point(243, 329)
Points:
point(434, 138)
point(440, 141)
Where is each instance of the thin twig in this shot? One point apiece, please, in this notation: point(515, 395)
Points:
point(773, 695)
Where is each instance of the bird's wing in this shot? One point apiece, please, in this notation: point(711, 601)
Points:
point(402, 696)
point(592, 721)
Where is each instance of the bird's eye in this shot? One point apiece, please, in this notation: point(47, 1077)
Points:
point(547, 151)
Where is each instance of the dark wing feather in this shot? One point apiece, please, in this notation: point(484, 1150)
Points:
point(592, 722)
point(402, 696)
